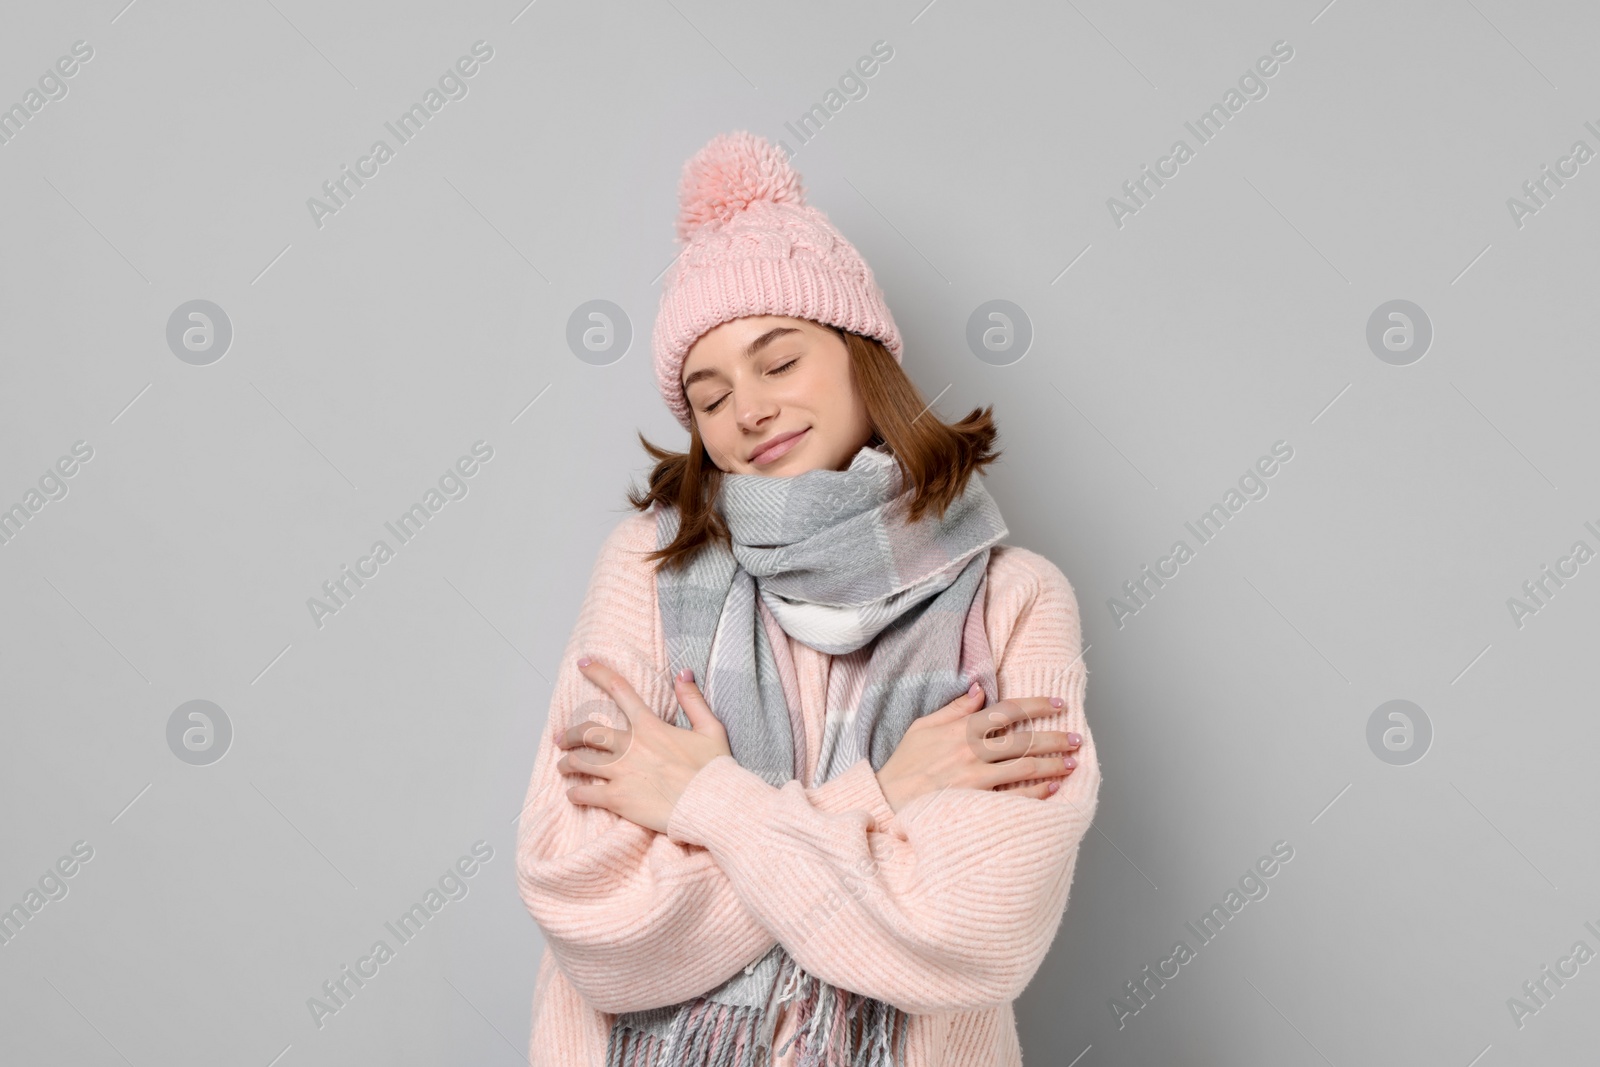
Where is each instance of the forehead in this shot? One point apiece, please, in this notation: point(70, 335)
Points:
point(736, 338)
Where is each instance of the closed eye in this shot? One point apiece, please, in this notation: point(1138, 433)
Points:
point(784, 369)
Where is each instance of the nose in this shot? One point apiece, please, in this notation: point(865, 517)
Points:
point(754, 408)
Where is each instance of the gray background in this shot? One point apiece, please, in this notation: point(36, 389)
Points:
point(431, 312)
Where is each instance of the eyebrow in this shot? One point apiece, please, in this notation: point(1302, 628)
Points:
point(755, 346)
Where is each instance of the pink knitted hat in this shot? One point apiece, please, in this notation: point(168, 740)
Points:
point(753, 246)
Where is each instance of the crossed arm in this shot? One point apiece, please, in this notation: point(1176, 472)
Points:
point(948, 905)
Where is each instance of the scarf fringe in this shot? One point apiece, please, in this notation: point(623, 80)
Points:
point(715, 1035)
point(838, 1028)
point(833, 1028)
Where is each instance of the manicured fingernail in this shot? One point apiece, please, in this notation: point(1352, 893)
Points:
point(1056, 702)
point(686, 675)
point(1073, 738)
point(1054, 786)
point(584, 662)
point(1070, 763)
point(974, 689)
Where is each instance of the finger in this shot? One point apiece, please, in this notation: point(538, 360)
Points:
point(1014, 746)
point(1031, 743)
point(613, 685)
point(1020, 708)
point(587, 795)
point(591, 734)
point(577, 762)
point(964, 704)
point(693, 701)
point(1057, 741)
point(1039, 791)
point(1016, 709)
point(1028, 768)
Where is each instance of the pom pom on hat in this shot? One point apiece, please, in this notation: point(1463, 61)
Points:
point(753, 246)
point(733, 171)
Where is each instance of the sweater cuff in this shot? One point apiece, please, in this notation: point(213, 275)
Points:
point(725, 802)
point(857, 787)
point(720, 793)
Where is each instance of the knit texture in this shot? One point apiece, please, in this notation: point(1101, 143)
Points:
point(831, 558)
point(753, 246)
point(945, 909)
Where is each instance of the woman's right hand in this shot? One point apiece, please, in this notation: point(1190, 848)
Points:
point(952, 747)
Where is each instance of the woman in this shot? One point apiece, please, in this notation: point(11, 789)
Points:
point(843, 846)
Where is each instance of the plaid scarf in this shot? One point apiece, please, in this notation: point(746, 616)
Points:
point(826, 557)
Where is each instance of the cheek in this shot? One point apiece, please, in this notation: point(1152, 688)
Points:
point(821, 388)
point(837, 396)
point(716, 440)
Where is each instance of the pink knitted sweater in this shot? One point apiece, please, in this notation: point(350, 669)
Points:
point(944, 909)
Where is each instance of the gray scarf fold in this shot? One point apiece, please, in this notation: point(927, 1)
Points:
point(828, 555)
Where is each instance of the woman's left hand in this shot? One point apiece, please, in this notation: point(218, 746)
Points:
point(644, 765)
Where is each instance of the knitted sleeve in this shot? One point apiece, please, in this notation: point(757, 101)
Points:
point(634, 920)
point(951, 904)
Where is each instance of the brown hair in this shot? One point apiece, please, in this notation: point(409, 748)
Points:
point(935, 458)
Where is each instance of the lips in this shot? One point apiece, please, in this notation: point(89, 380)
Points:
point(776, 447)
